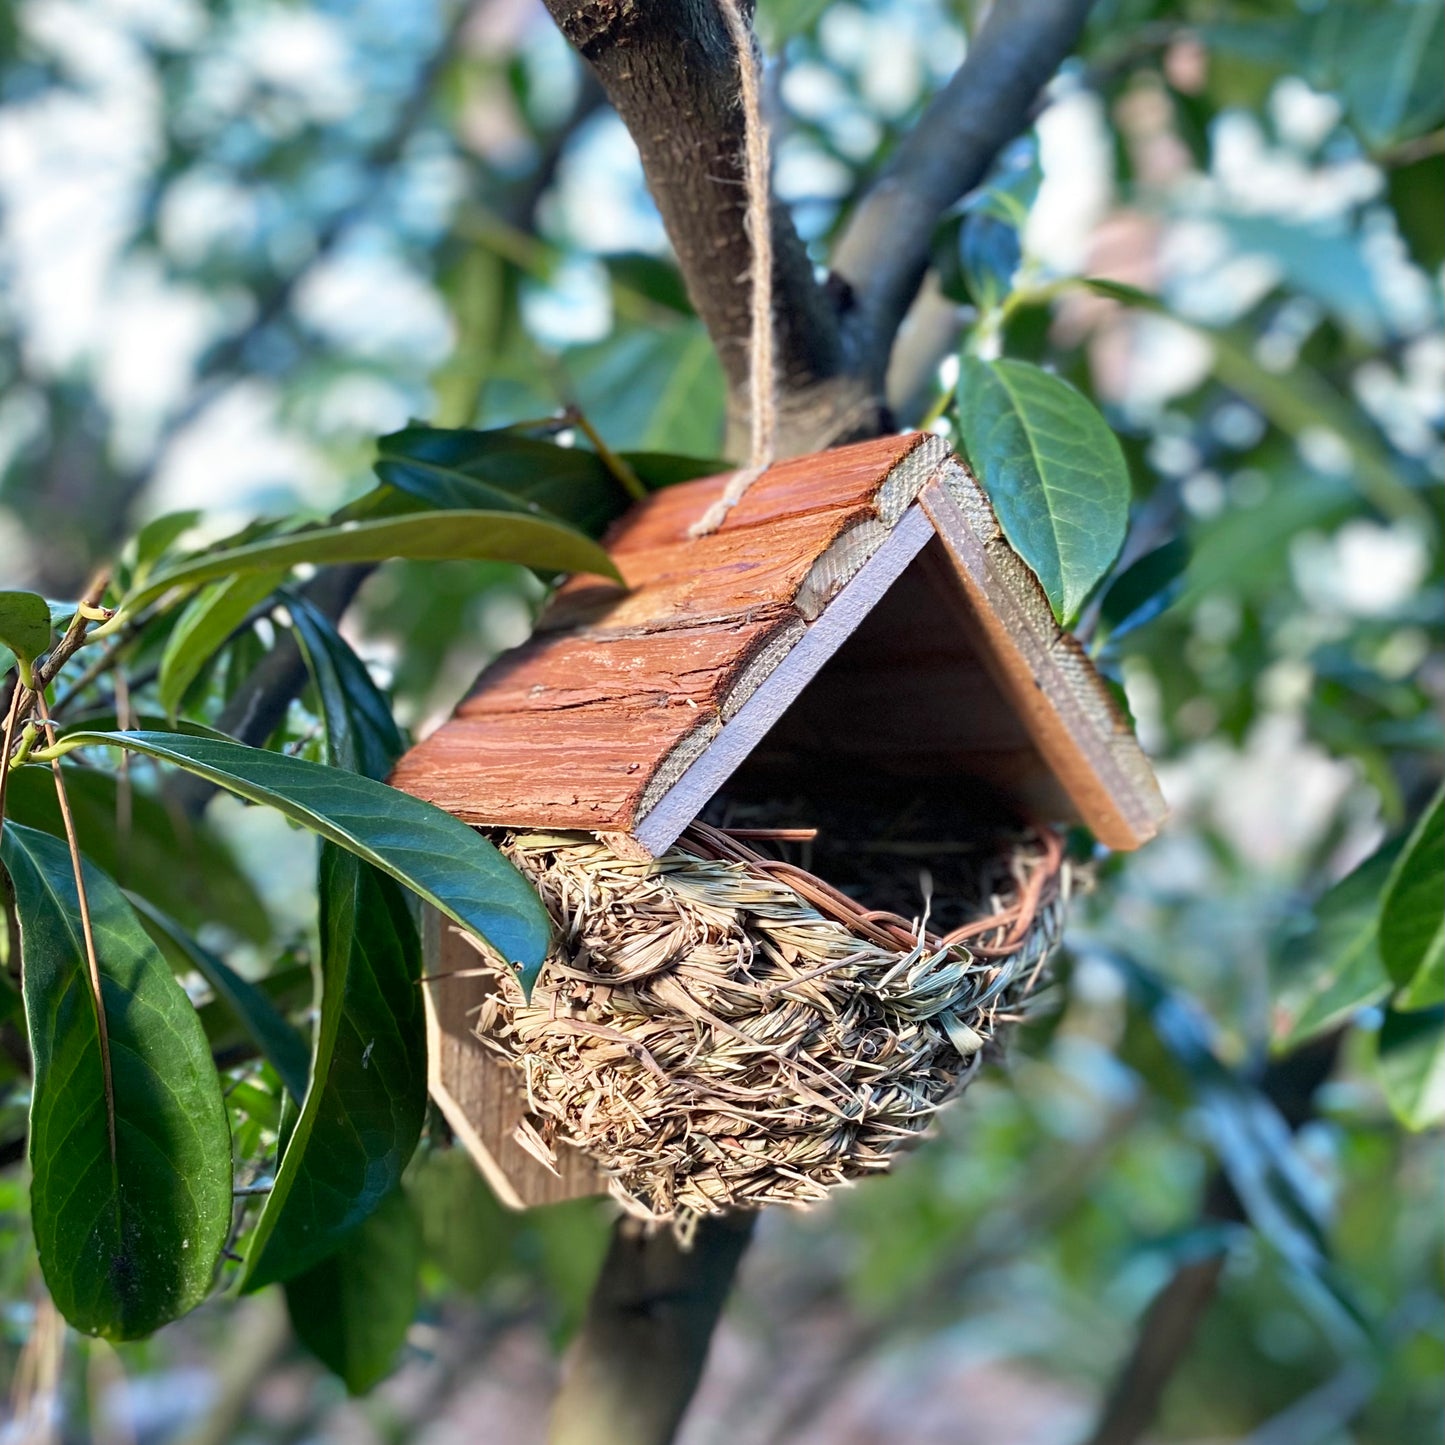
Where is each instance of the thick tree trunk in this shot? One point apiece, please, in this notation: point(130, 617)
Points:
point(641, 1351)
point(671, 72)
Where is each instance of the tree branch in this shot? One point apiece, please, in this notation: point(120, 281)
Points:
point(641, 1350)
point(258, 706)
point(884, 251)
point(672, 75)
point(1174, 1315)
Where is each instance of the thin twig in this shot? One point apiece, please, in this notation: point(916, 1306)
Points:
point(65, 649)
point(622, 473)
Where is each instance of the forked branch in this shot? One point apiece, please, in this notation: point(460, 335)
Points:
point(884, 251)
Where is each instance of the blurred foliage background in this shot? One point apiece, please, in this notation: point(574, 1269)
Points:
point(241, 239)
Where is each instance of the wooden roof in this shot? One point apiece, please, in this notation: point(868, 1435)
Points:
point(630, 707)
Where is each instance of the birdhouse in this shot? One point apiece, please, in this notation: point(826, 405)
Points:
point(790, 796)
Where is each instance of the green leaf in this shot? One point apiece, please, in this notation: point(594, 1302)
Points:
point(177, 862)
point(1389, 60)
point(129, 1223)
point(425, 536)
point(361, 735)
point(1053, 470)
point(651, 277)
point(1410, 1064)
point(157, 538)
point(661, 389)
point(1333, 972)
point(1143, 590)
point(363, 1111)
point(465, 1232)
point(1412, 918)
point(666, 469)
point(1414, 193)
point(277, 1041)
point(352, 1311)
point(501, 471)
point(989, 255)
point(24, 629)
point(1013, 187)
point(1296, 401)
point(366, 1104)
point(435, 855)
point(1384, 61)
point(208, 620)
point(288, 988)
point(456, 468)
point(1326, 263)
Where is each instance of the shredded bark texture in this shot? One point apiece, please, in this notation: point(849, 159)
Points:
point(722, 1030)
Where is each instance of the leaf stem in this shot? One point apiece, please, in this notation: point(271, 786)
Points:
point(92, 960)
point(10, 720)
point(623, 474)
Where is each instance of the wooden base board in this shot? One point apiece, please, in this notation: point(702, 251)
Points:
point(479, 1094)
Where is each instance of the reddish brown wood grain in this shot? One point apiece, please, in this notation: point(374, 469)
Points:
point(1049, 683)
point(619, 685)
point(960, 671)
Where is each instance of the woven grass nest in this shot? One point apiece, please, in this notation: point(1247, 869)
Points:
point(722, 1029)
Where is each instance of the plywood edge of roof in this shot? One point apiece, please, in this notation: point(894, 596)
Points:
point(630, 707)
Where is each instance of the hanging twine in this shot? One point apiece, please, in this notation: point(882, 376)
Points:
point(762, 385)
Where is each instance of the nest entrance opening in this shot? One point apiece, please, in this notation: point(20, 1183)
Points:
point(772, 1007)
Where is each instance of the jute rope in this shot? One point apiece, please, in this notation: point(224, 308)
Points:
point(762, 382)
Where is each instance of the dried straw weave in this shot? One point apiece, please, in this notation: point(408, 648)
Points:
point(722, 1030)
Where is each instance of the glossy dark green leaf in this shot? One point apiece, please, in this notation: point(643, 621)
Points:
point(361, 734)
point(1329, 974)
point(1412, 918)
point(1415, 192)
point(179, 863)
point(432, 853)
point(277, 1041)
point(201, 629)
point(1143, 590)
point(666, 469)
point(426, 536)
point(366, 1103)
point(1410, 1064)
point(501, 470)
point(1053, 470)
point(131, 1166)
point(24, 628)
point(352, 1311)
point(363, 1111)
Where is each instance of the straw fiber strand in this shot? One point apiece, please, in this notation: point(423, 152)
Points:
point(718, 1029)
